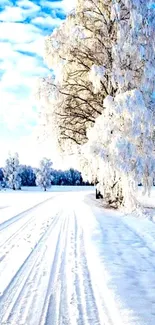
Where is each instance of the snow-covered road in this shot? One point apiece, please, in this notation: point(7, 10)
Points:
point(67, 261)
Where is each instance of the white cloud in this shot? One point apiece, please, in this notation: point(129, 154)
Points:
point(4, 3)
point(18, 32)
point(6, 52)
point(20, 12)
point(11, 14)
point(65, 5)
point(28, 5)
point(18, 80)
point(21, 49)
point(34, 47)
point(68, 5)
point(16, 111)
point(46, 21)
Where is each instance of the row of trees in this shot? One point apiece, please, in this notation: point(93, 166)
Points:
point(14, 175)
point(100, 103)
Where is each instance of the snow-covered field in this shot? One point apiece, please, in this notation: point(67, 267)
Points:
point(13, 203)
point(64, 260)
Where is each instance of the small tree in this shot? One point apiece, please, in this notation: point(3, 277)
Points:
point(12, 172)
point(43, 176)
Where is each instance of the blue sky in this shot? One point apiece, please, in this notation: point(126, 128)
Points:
point(23, 26)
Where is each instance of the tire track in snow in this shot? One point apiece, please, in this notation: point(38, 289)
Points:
point(38, 278)
point(24, 238)
point(63, 276)
point(14, 236)
point(62, 307)
point(72, 275)
point(22, 214)
point(87, 307)
point(52, 310)
point(20, 291)
point(105, 308)
point(70, 300)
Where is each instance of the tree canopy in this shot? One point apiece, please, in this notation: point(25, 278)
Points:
point(100, 99)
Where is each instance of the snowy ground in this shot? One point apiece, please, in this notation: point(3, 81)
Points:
point(64, 260)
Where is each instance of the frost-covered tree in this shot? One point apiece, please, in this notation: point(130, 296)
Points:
point(120, 149)
point(122, 140)
point(76, 52)
point(12, 172)
point(43, 176)
point(103, 94)
point(133, 52)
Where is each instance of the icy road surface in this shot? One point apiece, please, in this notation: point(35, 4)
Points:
point(66, 261)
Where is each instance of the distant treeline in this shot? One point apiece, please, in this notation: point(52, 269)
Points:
point(58, 177)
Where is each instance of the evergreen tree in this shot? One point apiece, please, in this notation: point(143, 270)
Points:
point(28, 176)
